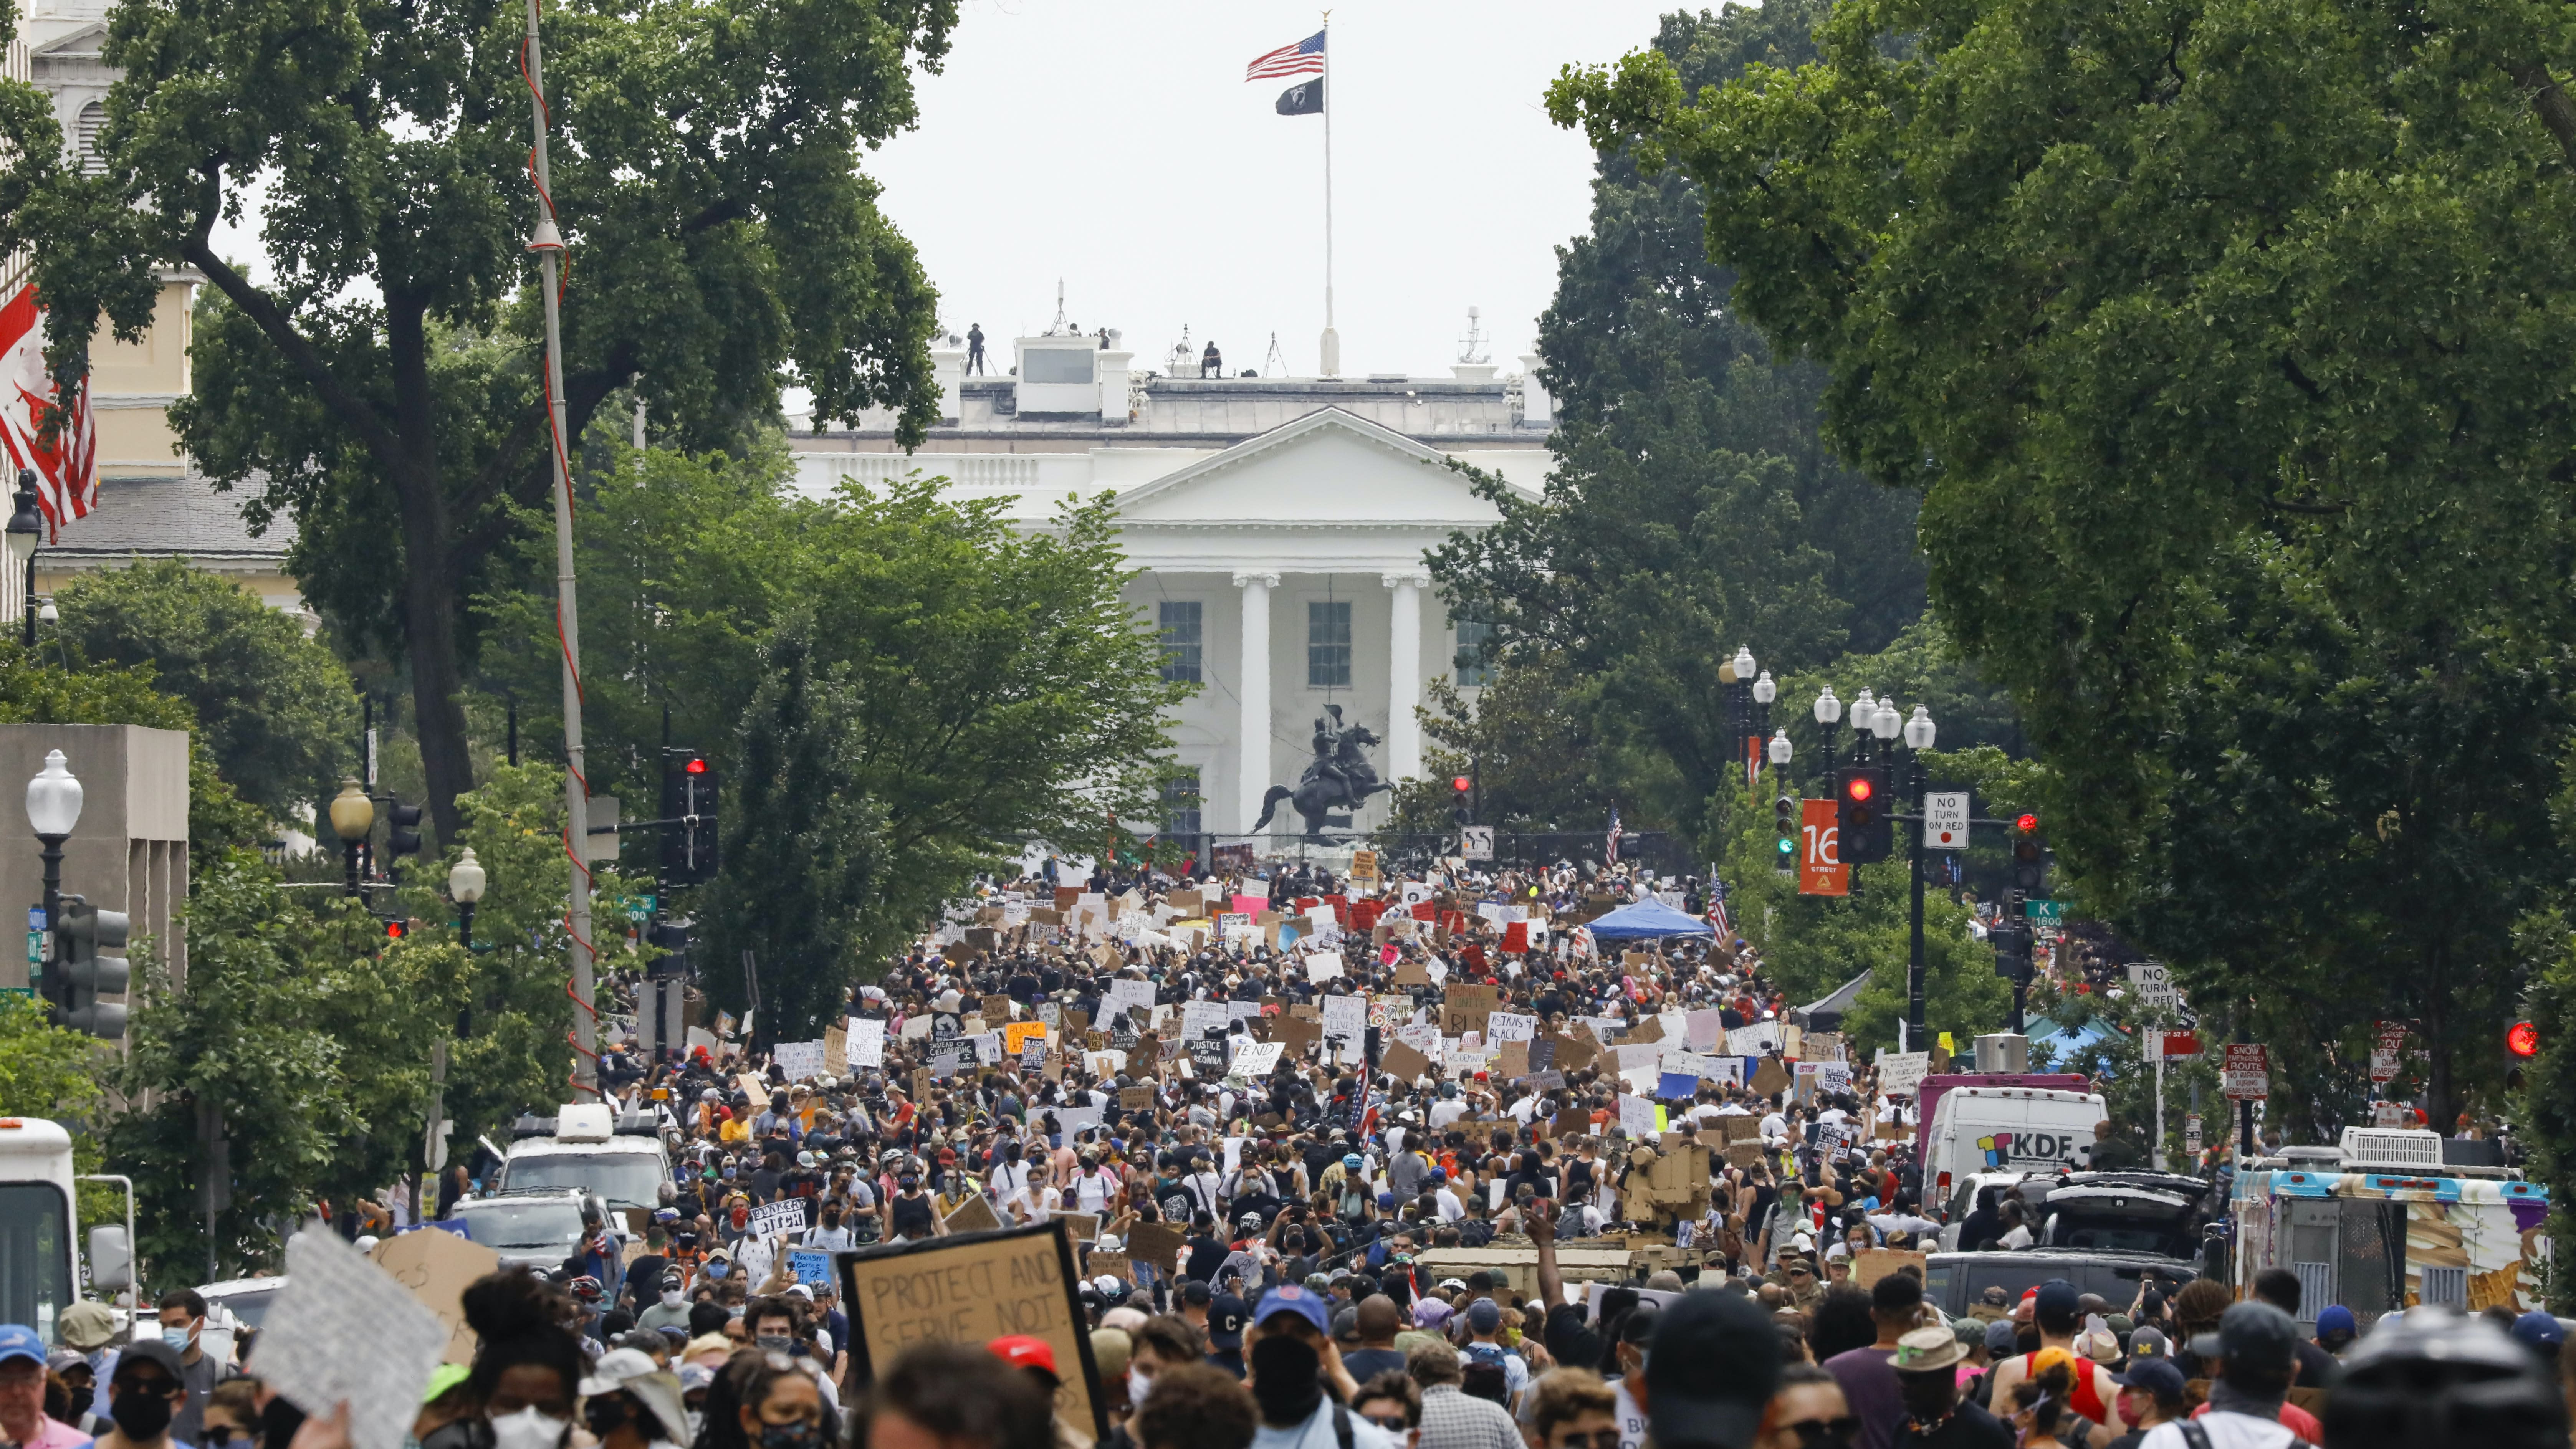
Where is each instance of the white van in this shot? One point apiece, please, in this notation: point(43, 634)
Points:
point(587, 1146)
point(1977, 1130)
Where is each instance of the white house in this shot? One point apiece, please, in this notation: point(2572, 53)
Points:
point(1279, 525)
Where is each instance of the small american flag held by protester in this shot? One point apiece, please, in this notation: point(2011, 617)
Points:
point(1306, 57)
point(67, 467)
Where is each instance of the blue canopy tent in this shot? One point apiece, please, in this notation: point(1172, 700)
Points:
point(1645, 920)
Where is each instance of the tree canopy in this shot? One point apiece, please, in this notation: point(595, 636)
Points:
point(382, 386)
point(2218, 345)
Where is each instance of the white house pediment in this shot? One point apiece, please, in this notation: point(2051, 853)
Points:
point(1328, 466)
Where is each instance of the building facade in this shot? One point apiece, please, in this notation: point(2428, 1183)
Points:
point(1278, 527)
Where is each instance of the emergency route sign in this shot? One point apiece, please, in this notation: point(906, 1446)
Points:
point(1821, 871)
point(2247, 1076)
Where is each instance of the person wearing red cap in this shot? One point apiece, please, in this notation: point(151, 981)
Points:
point(1036, 1358)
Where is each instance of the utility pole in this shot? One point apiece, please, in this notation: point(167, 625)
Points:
point(548, 244)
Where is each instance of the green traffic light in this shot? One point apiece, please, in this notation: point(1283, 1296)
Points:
point(1786, 845)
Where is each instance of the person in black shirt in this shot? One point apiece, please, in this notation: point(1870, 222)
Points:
point(1927, 1381)
point(1207, 1251)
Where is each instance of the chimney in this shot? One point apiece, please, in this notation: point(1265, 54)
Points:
point(1537, 407)
point(1114, 378)
point(948, 365)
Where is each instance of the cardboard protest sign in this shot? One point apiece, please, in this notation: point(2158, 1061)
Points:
point(753, 1087)
point(1133, 1098)
point(1572, 1122)
point(1085, 1227)
point(1412, 973)
point(972, 1291)
point(974, 1215)
point(342, 1332)
point(1899, 1073)
point(1295, 1033)
point(1738, 1127)
point(1513, 1062)
point(1503, 1026)
point(1403, 1063)
point(1467, 1008)
point(1157, 1243)
point(1876, 1263)
point(1257, 1060)
point(1770, 1077)
point(436, 1266)
point(1650, 1029)
point(836, 1051)
point(1743, 1154)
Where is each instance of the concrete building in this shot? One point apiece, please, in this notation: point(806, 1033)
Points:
point(1279, 526)
point(129, 851)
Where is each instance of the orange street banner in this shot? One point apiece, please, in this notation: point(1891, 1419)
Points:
point(1821, 871)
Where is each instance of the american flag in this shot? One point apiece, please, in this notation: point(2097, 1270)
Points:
point(1306, 57)
point(1612, 850)
point(67, 466)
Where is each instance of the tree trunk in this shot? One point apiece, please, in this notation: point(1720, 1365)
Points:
point(429, 593)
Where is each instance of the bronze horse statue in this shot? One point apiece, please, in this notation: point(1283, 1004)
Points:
point(1339, 779)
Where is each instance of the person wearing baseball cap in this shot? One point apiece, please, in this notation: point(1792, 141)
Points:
point(1711, 1373)
point(144, 1395)
point(1289, 1351)
point(1926, 1364)
point(23, 1419)
point(1227, 1317)
point(2256, 1350)
point(2151, 1393)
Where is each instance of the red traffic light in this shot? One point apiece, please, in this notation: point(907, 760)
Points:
point(697, 765)
point(1857, 787)
point(1461, 784)
point(396, 930)
point(2523, 1040)
point(2026, 823)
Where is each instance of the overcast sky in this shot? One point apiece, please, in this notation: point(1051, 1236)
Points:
point(1116, 144)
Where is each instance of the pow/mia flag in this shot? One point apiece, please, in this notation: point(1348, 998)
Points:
point(1306, 99)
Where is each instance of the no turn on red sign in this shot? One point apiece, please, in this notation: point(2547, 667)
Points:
point(1945, 820)
point(2247, 1074)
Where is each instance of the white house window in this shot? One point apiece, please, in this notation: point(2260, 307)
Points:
point(1181, 803)
point(1182, 640)
point(1328, 644)
point(85, 128)
point(1474, 667)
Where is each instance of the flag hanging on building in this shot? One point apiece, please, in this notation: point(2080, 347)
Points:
point(67, 467)
point(1306, 98)
point(1306, 57)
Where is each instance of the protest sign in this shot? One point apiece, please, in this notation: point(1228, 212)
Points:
point(836, 1051)
point(1465, 1008)
point(800, 1060)
point(1899, 1073)
point(1753, 1041)
point(974, 1215)
point(787, 1215)
point(1257, 1060)
point(1323, 968)
point(812, 1266)
point(1637, 1114)
point(1124, 994)
point(1157, 1243)
point(1677, 1086)
point(1346, 1022)
point(1876, 1263)
point(1017, 1036)
point(1403, 1062)
point(969, 1291)
point(341, 1331)
point(1770, 1077)
point(435, 1266)
point(1503, 1026)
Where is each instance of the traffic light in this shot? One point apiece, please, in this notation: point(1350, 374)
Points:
point(2029, 856)
point(396, 929)
point(1784, 819)
point(83, 934)
point(2523, 1040)
point(689, 802)
point(1861, 814)
point(673, 939)
point(1462, 809)
point(402, 831)
point(2012, 943)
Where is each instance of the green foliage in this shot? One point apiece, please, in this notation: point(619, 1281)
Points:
point(275, 709)
point(804, 856)
point(45, 1071)
point(1528, 740)
point(33, 691)
point(988, 684)
point(2214, 340)
point(385, 389)
point(1694, 506)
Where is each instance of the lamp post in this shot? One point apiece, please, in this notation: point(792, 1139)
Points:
point(1764, 691)
point(1919, 732)
point(465, 882)
point(53, 808)
point(1827, 710)
point(1742, 665)
point(26, 529)
point(352, 816)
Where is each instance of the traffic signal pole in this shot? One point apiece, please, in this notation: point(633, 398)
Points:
point(1914, 960)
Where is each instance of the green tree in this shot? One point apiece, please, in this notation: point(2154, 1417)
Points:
point(384, 389)
point(1694, 506)
point(275, 709)
point(1529, 742)
point(2208, 335)
point(33, 691)
point(804, 854)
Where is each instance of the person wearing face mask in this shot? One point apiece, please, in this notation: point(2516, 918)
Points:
point(144, 1396)
point(183, 1322)
point(1292, 1362)
point(23, 1420)
point(670, 1309)
point(527, 1365)
point(911, 1216)
point(780, 1405)
point(631, 1403)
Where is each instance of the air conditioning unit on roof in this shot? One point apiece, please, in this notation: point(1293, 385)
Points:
point(2410, 1149)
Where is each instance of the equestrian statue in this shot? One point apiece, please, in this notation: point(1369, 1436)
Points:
point(1340, 778)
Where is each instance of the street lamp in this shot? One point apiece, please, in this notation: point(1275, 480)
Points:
point(1827, 710)
point(465, 882)
point(1885, 723)
point(1780, 749)
point(352, 816)
point(1919, 729)
point(1864, 713)
point(1743, 662)
point(1919, 733)
point(26, 527)
point(53, 808)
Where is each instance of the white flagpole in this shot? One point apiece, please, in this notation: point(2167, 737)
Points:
point(1332, 346)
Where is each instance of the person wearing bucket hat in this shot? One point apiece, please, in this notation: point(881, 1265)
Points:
point(1926, 1362)
point(632, 1403)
